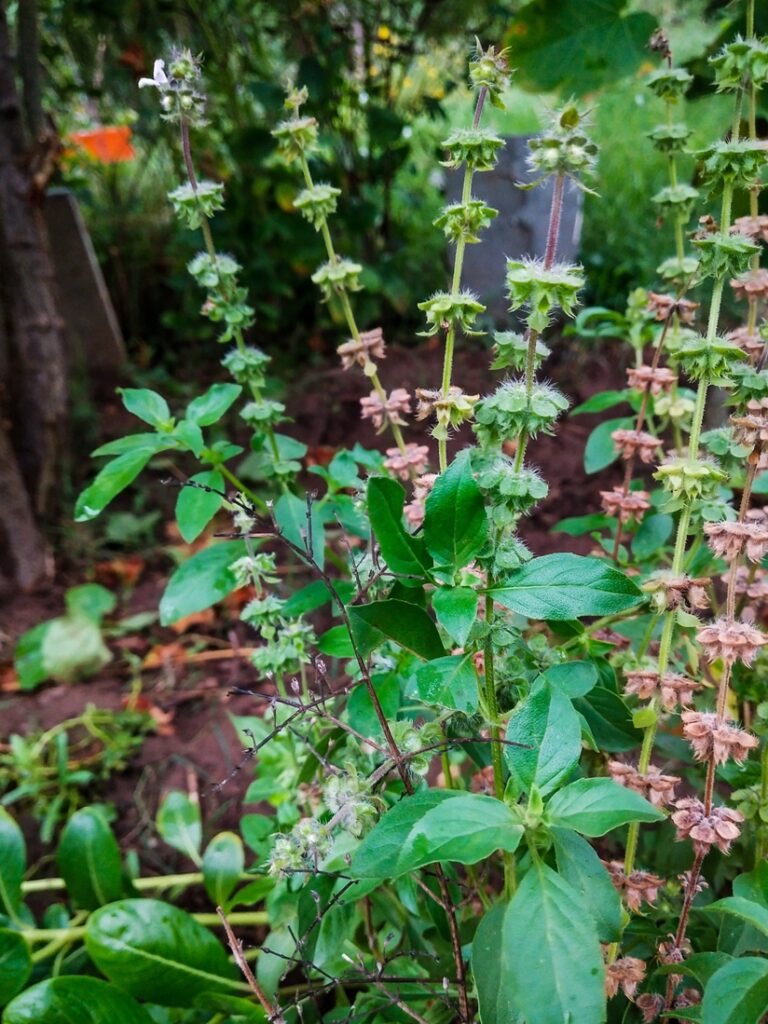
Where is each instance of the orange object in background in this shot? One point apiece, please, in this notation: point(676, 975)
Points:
point(109, 144)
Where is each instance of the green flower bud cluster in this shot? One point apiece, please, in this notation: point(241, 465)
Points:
point(688, 480)
point(452, 309)
point(305, 846)
point(286, 649)
point(543, 290)
point(510, 411)
point(708, 359)
point(669, 84)
point(254, 570)
point(677, 271)
point(511, 492)
point(510, 351)
point(231, 309)
point(670, 138)
point(509, 554)
point(347, 797)
point(739, 163)
point(316, 204)
point(742, 63)
point(450, 410)
point(214, 271)
point(337, 276)
point(724, 255)
point(246, 366)
point(296, 135)
point(181, 97)
point(409, 740)
point(262, 413)
point(465, 220)
point(563, 148)
point(676, 201)
point(194, 205)
point(476, 147)
point(488, 70)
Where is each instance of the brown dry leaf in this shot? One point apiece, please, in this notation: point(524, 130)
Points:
point(206, 617)
point(162, 719)
point(123, 571)
point(161, 654)
point(9, 680)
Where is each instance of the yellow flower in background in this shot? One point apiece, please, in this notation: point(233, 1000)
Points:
point(383, 32)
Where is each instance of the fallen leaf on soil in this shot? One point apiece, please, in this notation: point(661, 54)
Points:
point(124, 571)
point(206, 617)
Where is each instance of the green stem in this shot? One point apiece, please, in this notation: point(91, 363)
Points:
point(761, 848)
point(73, 934)
point(240, 486)
point(490, 699)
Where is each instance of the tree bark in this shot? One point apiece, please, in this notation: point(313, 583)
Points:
point(34, 400)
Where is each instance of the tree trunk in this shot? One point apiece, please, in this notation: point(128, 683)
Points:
point(34, 403)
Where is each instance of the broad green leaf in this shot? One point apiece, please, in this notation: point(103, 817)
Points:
point(89, 860)
point(549, 727)
point(73, 648)
point(74, 1000)
point(210, 407)
point(336, 643)
point(652, 534)
point(737, 993)
point(581, 867)
point(455, 523)
point(223, 863)
point(190, 436)
point(15, 964)
point(609, 720)
point(601, 401)
point(745, 910)
point(13, 862)
point(315, 595)
point(600, 451)
point(361, 712)
point(435, 825)
point(574, 678)
point(402, 552)
point(489, 968)
point(147, 405)
point(456, 610)
point(91, 600)
point(577, 526)
point(179, 824)
point(595, 806)
point(109, 481)
point(449, 682)
point(578, 46)
point(232, 1008)
point(195, 507)
point(155, 951)
point(28, 657)
point(753, 885)
point(406, 624)
point(291, 517)
point(700, 966)
point(201, 581)
point(559, 976)
point(153, 443)
point(566, 586)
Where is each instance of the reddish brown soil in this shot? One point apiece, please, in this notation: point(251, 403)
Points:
point(201, 748)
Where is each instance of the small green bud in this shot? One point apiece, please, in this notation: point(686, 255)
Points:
point(337, 276)
point(676, 201)
point(669, 84)
point(689, 478)
point(452, 309)
point(511, 351)
point(709, 359)
point(670, 138)
point(742, 63)
point(475, 147)
point(738, 163)
point(543, 289)
point(316, 204)
point(464, 220)
point(508, 412)
point(296, 136)
point(724, 255)
point(194, 205)
point(488, 70)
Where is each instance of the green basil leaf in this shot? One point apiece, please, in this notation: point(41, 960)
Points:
point(595, 806)
point(737, 993)
point(361, 712)
point(449, 682)
point(147, 405)
point(577, 526)
point(745, 910)
point(402, 552)
point(435, 825)
point(195, 507)
point(581, 867)
point(406, 624)
point(13, 862)
point(600, 451)
point(155, 951)
point(89, 860)
point(28, 658)
point(210, 407)
point(291, 517)
point(546, 723)
point(574, 678)
point(74, 1000)
point(91, 600)
point(609, 720)
point(489, 968)
point(15, 964)
point(111, 479)
point(336, 643)
point(601, 401)
point(201, 581)
point(561, 976)
point(153, 443)
point(455, 523)
point(223, 864)
point(652, 534)
point(179, 824)
point(566, 586)
point(456, 610)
